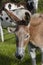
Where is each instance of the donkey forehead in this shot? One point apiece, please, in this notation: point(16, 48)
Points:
point(21, 31)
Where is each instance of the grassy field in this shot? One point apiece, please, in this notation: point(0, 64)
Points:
point(7, 52)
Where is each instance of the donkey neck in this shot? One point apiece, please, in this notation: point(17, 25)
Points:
point(36, 19)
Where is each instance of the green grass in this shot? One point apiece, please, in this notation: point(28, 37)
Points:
point(40, 6)
point(7, 52)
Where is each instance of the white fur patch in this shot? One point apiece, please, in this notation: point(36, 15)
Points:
point(20, 50)
point(33, 54)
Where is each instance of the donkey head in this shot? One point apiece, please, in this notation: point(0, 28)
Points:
point(22, 39)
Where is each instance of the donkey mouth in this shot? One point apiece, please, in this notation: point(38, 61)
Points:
point(19, 57)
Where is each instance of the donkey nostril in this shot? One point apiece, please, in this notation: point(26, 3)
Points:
point(19, 56)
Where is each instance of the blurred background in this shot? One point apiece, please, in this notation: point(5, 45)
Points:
point(40, 6)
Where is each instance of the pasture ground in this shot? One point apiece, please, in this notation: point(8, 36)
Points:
point(7, 52)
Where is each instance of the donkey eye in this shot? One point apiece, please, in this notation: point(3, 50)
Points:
point(26, 36)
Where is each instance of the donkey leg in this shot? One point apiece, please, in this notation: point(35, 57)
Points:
point(2, 36)
point(41, 56)
point(33, 55)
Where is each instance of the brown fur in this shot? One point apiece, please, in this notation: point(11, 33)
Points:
point(36, 30)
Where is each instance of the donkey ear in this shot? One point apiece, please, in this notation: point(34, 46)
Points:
point(27, 17)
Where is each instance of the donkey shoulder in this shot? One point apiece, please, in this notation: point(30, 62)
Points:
point(36, 19)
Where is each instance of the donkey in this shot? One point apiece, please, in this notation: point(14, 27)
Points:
point(32, 34)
